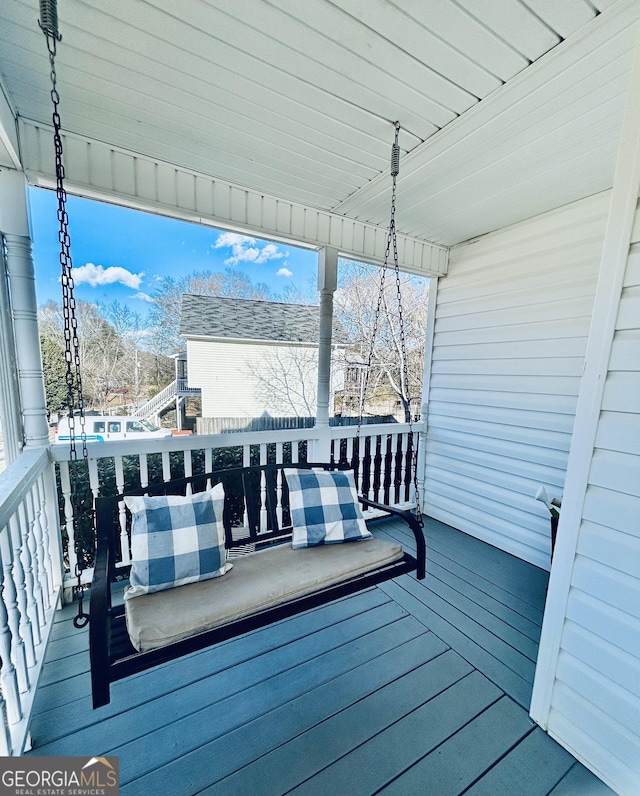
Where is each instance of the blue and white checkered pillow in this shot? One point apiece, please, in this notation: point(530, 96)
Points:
point(324, 508)
point(176, 540)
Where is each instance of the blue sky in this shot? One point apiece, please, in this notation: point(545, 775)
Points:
point(123, 255)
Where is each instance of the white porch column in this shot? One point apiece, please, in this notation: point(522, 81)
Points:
point(327, 283)
point(426, 386)
point(14, 224)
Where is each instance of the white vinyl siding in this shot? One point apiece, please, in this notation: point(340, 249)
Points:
point(595, 701)
point(510, 335)
point(233, 378)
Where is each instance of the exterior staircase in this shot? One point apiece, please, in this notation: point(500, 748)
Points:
point(166, 396)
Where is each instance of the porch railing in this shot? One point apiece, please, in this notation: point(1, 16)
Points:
point(382, 458)
point(30, 580)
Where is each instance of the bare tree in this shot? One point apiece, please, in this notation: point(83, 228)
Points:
point(356, 303)
point(108, 337)
point(287, 381)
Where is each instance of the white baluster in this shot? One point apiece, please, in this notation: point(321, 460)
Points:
point(246, 455)
point(263, 502)
point(295, 451)
point(42, 533)
point(65, 483)
point(124, 536)
point(35, 600)
point(94, 479)
point(144, 470)
point(119, 468)
point(18, 652)
point(6, 748)
point(393, 464)
point(372, 464)
point(360, 464)
point(188, 470)
point(29, 518)
point(166, 466)
point(208, 460)
point(263, 489)
point(8, 675)
point(19, 578)
point(350, 450)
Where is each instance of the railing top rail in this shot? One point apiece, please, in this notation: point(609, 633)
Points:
point(371, 429)
point(98, 450)
point(17, 480)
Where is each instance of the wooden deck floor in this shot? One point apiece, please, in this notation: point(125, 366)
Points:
point(413, 688)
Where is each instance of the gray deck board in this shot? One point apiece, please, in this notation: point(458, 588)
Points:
point(487, 616)
point(468, 753)
point(318, 747)
point(478, 582)
point(508, 680)
point(535, 764)
point(412, 687)
point(398, 748)
point(190, 736)
point(213, 761)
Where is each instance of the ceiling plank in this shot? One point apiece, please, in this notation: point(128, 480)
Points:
point(515, 24)
point(565, 17)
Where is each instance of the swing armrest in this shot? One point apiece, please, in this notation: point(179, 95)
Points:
point(416, 529)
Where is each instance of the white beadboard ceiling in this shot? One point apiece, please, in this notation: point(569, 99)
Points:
point(508, 108)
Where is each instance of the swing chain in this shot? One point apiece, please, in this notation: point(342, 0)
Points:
point(73, 377)
point(392, 243)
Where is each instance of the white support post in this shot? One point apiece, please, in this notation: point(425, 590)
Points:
point(14, 224)
point(327, 284)
point(426, 386)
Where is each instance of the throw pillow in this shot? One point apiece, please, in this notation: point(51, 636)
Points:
point(324, 508)
point(176, 540)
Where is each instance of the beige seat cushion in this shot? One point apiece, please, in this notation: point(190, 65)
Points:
point(257, 581)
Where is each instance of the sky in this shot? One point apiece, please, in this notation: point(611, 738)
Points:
point(120, 254)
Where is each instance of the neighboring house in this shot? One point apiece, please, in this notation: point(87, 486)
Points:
point(251, 358)
point(518, 194)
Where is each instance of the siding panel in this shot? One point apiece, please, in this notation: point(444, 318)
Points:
point(233, 378)
point(509, 341)
point(595, 702)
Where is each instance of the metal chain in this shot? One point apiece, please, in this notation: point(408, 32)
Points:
point(73, 376)
point(392, 242)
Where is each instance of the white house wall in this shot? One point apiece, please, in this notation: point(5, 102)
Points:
point(595, 699)
point(511, 326)
point(232, 377)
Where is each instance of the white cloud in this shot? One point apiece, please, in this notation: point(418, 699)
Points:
point(284, 272)
point(246, 249)
point(98, 275)
point(144, 297)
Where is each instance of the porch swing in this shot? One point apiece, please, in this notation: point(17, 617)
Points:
point(191, 581)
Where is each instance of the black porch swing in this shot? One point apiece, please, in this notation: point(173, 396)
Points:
point(186, 534)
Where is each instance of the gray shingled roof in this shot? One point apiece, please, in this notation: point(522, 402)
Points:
point(243, 319)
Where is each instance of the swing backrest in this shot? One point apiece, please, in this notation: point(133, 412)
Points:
point(256, 510)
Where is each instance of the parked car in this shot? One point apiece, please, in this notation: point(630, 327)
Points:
point(102, 428)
